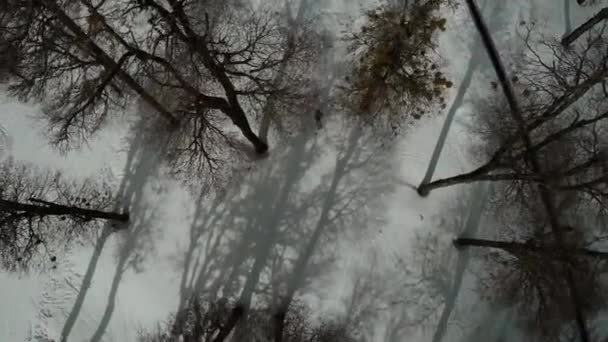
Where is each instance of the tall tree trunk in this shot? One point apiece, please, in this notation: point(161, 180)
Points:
point(456, 104)
point(230, 108)
point(238, 117)
point(586, 26)
point(479, 196)
point(545, 195)
point(474, 62)
point(509, 246)
point(482, 173)
point(479, 174)
point(45, 208)
point(518, 247)
point(199, 45)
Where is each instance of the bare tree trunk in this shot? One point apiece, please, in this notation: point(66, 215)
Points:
point(479, 174)
point(238, 117)
point(515, 247)
point(107, 61)
point(456, 104)
point(483, 173)
point(230, 108)
point(198, 44)
point(506, 246)
point(588, 25)
point(545, 195)
point(44, 208)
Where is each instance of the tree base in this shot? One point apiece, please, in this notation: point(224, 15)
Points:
point(261, 148)
point(457, 244)
point(422, 190)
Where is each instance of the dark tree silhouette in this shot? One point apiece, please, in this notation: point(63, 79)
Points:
point(563, 109)
point(537, 166)
point(41, 211)
point(529, 277)
point(585, 27)
point(200, 65)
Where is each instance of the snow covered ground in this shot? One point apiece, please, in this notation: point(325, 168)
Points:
point(38, 304)
point(138, 272)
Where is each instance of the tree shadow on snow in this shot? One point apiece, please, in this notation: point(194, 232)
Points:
point(264, 240)
point(405, 289)
point(134, 239)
